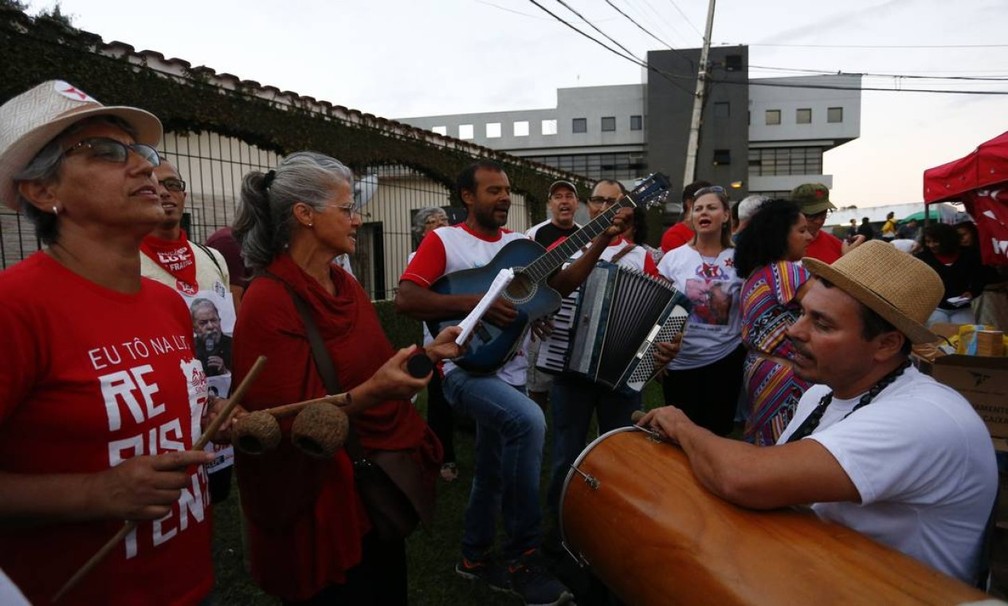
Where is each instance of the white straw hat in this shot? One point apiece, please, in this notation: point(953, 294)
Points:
point(895, 285)
point(29, 121)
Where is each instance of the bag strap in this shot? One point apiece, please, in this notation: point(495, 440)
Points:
point(206, 250)
point(323, 362)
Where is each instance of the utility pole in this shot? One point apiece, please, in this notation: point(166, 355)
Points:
point(698, 100)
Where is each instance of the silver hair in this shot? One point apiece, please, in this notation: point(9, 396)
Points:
point(421, 216)
point(44, 168)
point(265, 216)
point(749, 205)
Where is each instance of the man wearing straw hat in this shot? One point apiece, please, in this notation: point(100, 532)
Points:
point(876, 445)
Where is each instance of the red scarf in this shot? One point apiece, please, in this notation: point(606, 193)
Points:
point(176, 258)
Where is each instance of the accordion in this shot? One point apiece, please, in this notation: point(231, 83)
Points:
point(606, 330)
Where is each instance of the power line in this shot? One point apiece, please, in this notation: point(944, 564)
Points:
point(639, 26)
point(876, 75)
point(593, 26)
point(644, 64)
point(885, 45)
point(685, 18)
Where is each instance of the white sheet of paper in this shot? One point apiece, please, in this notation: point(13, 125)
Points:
point(468, 324)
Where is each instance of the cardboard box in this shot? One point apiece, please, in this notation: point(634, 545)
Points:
point(984, 382)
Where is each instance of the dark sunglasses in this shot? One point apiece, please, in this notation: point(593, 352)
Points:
point(172, 184)
point(111, 150)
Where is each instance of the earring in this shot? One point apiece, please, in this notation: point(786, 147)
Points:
point(55, 209)
point(311, 225)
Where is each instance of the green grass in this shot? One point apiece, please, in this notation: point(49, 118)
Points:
point(431, 552)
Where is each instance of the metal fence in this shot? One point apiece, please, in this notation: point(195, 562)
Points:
point(213, 166)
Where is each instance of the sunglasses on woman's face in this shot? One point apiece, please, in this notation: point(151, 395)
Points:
point(111, 150)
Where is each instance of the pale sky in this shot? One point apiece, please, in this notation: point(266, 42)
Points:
point(396, 58)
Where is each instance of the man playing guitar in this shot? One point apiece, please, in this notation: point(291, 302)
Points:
point(511, 427)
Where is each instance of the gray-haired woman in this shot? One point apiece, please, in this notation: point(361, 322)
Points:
point(309, 535)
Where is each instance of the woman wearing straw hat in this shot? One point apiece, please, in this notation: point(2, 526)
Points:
point(102, 394)
point(875, 445)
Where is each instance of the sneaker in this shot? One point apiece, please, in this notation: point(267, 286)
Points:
point(488, 571)
point(532, 582)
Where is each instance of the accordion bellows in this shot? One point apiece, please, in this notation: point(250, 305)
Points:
point(606, 330)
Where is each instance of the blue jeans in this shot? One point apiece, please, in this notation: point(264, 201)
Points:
point(510, 430)
point(573, 401)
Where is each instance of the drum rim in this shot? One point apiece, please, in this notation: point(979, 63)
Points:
point(571, 473)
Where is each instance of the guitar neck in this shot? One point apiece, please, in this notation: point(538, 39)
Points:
point(541, 268)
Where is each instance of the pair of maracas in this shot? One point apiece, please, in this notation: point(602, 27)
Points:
point(320, 426)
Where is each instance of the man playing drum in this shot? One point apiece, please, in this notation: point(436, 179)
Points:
point(876, 446)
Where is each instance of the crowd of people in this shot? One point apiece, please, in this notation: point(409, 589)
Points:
point(802, 337)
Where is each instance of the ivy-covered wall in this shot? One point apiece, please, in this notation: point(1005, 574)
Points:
point(43, 48)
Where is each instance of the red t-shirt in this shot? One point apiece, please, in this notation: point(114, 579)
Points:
point(676, 236)
point(303, 518)
point(91, 377)
point(825, 246)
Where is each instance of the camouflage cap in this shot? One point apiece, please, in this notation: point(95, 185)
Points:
point(813, 198)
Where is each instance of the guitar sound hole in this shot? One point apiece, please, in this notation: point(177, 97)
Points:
point(521, 288)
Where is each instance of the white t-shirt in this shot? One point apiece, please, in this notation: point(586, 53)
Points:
point(449, 249)
point(714, 327)
point(923, 463)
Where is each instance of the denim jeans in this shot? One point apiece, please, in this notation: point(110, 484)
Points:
point(573, 401)
point(510, 430)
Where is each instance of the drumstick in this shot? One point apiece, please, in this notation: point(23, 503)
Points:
point(129, 525)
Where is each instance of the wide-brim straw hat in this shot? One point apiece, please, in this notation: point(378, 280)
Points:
point(29, 121)
point(895, 285)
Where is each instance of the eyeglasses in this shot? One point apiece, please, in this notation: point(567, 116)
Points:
point(111, 150)
point(597, 200)
point(172, 184)
point(350, 209)
point(710, 189)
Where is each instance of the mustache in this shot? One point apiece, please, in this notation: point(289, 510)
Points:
point(801, 350)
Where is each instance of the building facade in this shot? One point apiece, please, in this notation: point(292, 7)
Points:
point(762, 135)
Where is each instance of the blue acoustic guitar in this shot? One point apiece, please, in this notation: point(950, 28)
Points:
point(491, 345)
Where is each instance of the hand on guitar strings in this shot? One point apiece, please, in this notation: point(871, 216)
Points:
point(501, 313)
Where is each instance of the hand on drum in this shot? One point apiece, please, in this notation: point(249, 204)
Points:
point(668, 421)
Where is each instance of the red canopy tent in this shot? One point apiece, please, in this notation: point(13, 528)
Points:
point(980, 181)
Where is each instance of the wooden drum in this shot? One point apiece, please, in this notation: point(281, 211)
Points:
point(632, 510)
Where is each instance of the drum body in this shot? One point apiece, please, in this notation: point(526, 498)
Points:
point(633, 511)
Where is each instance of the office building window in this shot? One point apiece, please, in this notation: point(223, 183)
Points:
point(775, 161)
point(493, 130)
point(465, 131)
point(441, 130)
point(580, 125)
point(722, 157)
point(549, 127)
point(636, 122)
point(772, 117)
point(834, 114)
point(733, 63)
point(803, 115)
point(608, 124)
point(722, 109)
point(521, 128)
